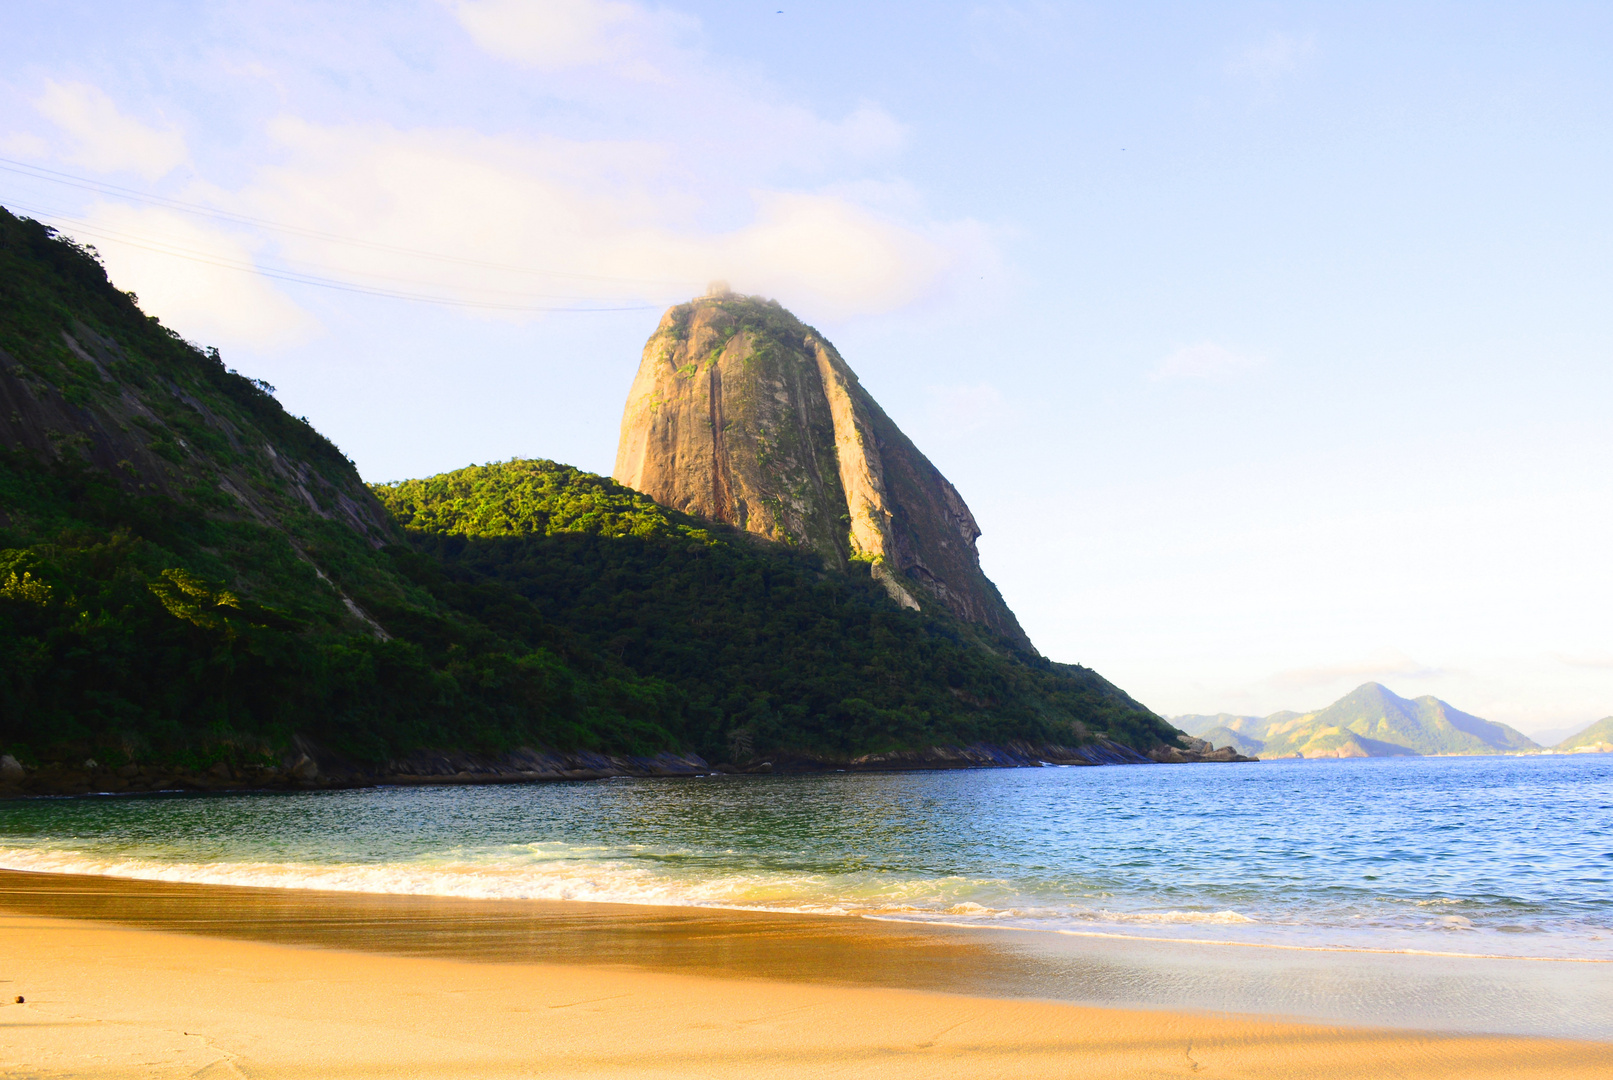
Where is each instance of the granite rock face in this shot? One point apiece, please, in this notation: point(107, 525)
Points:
point(741, 413)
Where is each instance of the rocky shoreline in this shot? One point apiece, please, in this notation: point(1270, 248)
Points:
point(308, 767)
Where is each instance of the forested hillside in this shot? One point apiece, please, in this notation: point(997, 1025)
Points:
point(772, 651)
point(190, 575)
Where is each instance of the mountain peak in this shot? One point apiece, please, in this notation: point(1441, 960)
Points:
point(1369, 721)
point(741, 413)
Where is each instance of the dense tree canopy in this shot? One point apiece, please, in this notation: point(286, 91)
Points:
point(772, 651)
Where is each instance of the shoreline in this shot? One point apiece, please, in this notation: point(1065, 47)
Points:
point(1466, 995)
point(309, 767)
point(103, 999)
point(121, 875)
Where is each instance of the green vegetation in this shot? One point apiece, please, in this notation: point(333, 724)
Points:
point(771, 651)
point(1598, 734)
point(177, 555)
point(188, 574)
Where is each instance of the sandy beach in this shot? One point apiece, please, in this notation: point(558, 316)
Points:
point(105, 1000)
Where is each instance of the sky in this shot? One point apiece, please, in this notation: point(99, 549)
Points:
point(1269, 342)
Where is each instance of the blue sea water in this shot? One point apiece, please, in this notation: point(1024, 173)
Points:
point(1482, 856)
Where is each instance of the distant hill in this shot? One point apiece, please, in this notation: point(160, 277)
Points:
point(1226, 729)
point(1553, 735)
point(1370, 721)
point(1597, 737)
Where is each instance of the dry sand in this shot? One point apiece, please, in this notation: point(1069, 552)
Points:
point(106, 1000)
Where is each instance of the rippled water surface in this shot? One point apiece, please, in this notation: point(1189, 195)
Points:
point(1505, 856)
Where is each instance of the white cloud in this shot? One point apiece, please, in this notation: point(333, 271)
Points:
point(678, 168)
point(1208, 361)
point(107, 140)
point(651, 67)
point(597, 220)
point(187, 275)
point(561, 35)
point(1274, 56)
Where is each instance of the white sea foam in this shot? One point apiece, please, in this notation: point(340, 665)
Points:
point(596, 881)
point(601, 875)
point(1215, 918)
point(560, 872)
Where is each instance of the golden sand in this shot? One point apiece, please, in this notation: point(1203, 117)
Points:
point(104, 1000)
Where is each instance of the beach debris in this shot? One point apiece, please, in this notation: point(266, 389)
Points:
point(19, 999)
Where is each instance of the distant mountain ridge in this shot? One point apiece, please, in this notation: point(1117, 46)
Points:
point(1370, 721)
point(1596, 738)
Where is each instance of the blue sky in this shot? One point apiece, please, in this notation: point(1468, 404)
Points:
point(1268, 342)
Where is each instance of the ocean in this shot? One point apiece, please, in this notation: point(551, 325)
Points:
point(1451, 859)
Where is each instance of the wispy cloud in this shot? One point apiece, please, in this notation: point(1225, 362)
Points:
point(1207, 361)
point(199, 276)
point(105, 139)
point(561, 35)
point(1273, 57)
point(594, 220)
point(1384, 665)
point(663, 166)
point(623, 218)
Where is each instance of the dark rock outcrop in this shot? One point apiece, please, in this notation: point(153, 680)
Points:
point(1195, 750)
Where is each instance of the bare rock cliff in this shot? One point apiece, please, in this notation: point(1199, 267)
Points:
point(743, 414)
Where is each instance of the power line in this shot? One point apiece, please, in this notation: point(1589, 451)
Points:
point(38, 172)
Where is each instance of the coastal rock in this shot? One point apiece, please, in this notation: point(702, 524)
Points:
point(741, 413)
point(1171, 755)
point(11, 770)
point(1013, 755)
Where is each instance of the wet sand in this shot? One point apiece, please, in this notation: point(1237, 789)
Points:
point(139, 978)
